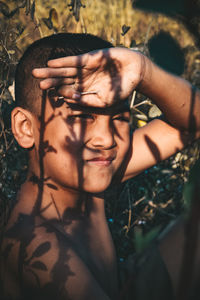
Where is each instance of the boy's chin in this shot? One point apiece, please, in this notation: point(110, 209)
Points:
point(99, 188)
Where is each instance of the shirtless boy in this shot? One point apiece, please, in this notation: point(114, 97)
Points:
point(72, 116)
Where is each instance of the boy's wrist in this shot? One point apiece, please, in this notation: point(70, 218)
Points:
point(145, 74)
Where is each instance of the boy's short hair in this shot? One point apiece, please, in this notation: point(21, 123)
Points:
point(27, 90)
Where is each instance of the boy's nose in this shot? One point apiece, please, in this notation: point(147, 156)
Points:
point(102, 136)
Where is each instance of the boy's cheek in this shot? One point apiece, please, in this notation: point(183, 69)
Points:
point(71, 145)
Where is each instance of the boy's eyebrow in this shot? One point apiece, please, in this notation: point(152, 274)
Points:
point(123, 106)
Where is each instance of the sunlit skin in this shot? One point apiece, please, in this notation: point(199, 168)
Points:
point(77, 148)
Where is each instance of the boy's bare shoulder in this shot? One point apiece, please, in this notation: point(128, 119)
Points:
point(40, 258)
point(25, 249)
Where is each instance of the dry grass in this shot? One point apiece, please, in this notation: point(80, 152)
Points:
point(105, 18)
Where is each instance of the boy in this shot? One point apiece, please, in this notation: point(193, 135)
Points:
point(75, 125)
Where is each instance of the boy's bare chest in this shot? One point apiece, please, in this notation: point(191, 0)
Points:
point(93, 244)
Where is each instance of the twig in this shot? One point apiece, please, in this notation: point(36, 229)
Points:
point(133, 100)
point(142, 103)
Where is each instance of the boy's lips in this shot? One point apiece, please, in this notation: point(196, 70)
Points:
point(101, 160)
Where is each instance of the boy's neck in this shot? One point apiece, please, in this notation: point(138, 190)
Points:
point(59, 203)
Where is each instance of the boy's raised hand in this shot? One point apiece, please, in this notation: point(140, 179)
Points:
point(109, 74)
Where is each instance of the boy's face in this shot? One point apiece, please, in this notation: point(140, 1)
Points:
point(83, 147)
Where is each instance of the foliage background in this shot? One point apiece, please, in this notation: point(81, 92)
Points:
point(140, 208)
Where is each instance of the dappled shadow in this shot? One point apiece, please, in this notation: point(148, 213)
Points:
point(23, 230)
point(153, 147)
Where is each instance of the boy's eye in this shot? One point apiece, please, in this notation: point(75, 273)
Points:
point(81, 117)
point(122, 118)
point(84, 116)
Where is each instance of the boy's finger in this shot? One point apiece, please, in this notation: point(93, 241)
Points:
point(69, 92)
point(52, 72)
point(79, 61)
point(69, 61)
point(54, 82)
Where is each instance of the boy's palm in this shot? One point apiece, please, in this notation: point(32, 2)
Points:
point(109, 74)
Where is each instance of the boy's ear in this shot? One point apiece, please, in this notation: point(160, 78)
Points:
point(22, 127)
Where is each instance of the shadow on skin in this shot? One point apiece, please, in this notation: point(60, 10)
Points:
point(23, 230)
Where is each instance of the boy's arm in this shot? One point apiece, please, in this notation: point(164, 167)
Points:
point(114, 73)
point(180, 103)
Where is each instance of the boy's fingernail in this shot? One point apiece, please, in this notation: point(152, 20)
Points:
point(33, 71)
point(76, 96)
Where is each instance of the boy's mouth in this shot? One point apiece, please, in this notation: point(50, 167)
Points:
point(101, 160)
